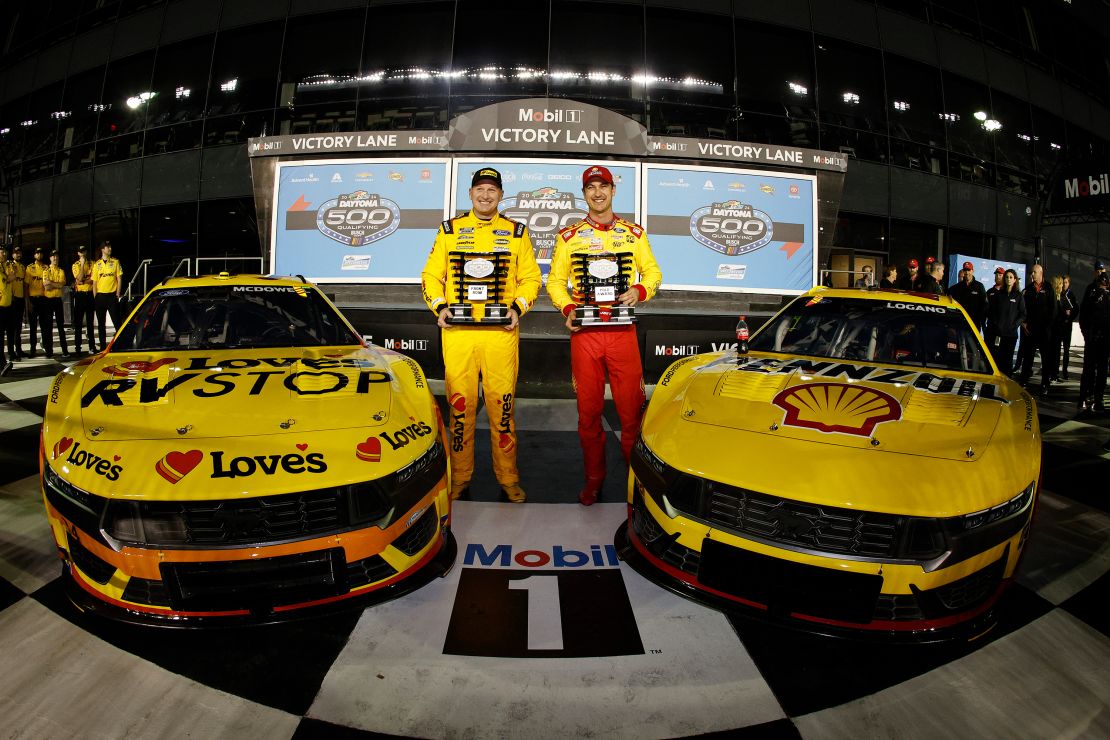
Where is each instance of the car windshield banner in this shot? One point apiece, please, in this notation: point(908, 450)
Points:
point(342, 221)
point(546, 195)
point(719, 229)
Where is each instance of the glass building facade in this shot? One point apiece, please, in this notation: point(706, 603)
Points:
point(127, 119)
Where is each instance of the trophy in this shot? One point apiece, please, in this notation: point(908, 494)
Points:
point(601, 278)
point(479, 279)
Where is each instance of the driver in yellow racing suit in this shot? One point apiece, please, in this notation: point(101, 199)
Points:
point(489, 351)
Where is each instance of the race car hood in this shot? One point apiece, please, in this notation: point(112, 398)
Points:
point(905, 410)
point(137, 396)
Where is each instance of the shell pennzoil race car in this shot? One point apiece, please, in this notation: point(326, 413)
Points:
point(863, 468)
point(238, 454)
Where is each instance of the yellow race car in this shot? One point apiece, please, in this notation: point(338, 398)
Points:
point(860, 467)
point(238, 454)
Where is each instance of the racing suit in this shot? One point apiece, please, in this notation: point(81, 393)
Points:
point(487, 351)
point(597, 349)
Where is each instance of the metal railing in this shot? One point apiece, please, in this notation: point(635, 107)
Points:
point(184, 261)
point(140, 270)
point(847, 278)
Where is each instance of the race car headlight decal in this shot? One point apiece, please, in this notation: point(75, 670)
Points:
point(924, 539)
point(994, 514)
point(123, 522)
point(75, 495)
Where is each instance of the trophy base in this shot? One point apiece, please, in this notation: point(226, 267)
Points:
point(590, 315)
point(497, 314)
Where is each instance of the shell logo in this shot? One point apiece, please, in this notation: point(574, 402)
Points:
point(837, 408)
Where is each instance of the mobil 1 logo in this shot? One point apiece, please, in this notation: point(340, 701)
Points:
point(731, 227)
point(359, 218)
point(560, 602)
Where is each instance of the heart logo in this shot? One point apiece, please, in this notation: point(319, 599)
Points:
point(370, 450)
point(302, 447)
point(176, 465)
point(458, 402)
point(63, 444)
point(115, 458)
point(506, 442)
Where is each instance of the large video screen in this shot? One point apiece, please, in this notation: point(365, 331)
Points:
point(344, 221)
point(723, 229)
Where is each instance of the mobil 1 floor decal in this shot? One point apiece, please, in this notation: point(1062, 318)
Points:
point(537, 616)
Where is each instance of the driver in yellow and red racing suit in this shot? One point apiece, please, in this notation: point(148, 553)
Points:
point(594, 350)
point(490, 351)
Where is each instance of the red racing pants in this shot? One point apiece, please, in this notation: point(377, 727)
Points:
point(592, 353)
point(492, 353)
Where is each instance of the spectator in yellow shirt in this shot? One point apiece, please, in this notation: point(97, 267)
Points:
point(6, 279)
point(32, 280)
point(17, 272)
point(107, 284)
point(53, 282)
point(82, 299)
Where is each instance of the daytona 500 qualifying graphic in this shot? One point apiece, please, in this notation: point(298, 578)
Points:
point(731, 230)
point(357, 221)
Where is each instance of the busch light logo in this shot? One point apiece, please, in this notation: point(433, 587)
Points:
point(544, 211)
point(359, 218)
point(731, 227)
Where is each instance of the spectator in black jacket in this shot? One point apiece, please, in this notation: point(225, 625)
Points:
point(1007, 314)
point(890, 278)
point(907, 281)
point(1100, 270)
point(1094, 321)
point(998, 287)
point(971, 294)
point(1069, 308)
point(1040, 310)
point(933, 279)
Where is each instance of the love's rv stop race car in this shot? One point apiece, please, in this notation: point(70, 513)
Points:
point(238, 454)
point(863, 467)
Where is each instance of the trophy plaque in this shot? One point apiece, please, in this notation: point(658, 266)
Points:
point(479, 282)
point(601, 277)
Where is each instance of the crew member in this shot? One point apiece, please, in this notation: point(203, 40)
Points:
point(82, 299)
point(32, 281)
point(597, 350)
point(6, 279)
point(970, 294)
point(53, 281)
point(107, 284)
point(867, 279)
point(907, 281)
point(17, 273)
point(989, 334)
point(890, 278)
point(933, 279)
point(1040, 311)
point(489, 352)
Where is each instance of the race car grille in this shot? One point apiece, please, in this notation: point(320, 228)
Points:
point(92, 566)
point(663, 546)
point(970, 590)
point(145, 591)
point(257, 585)
point(419, 534)
point(820, 528)
point(267, 520)
point(368, 570)
point(897, 607)
point(249, 521)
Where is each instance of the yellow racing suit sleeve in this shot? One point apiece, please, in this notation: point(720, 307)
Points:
point(433, 277)
point(528, 277)
point(650, 274)
point(557, 277)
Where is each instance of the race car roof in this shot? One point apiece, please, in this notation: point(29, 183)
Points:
point(225, 278)
point(905, 296)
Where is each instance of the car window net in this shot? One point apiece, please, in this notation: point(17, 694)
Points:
point(231, 317)
point(875, 331)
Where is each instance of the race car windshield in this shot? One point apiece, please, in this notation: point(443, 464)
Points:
point(233, 316)
point(875, 331)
